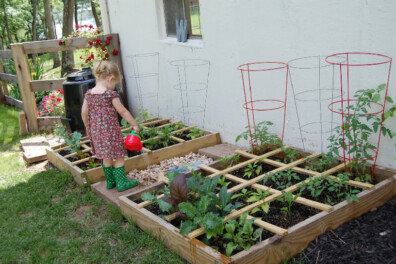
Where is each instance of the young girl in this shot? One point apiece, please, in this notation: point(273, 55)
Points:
point(99, 113)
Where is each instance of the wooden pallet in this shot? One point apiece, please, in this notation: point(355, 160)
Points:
point(285, 242)
point(83, 177)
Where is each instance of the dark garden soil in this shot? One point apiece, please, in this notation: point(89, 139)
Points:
point(159, 145)
point(327, 197)
point(131, 154)
point(280, 180)
point(183, 135)
point(299, 213)
point(370, 238)
point(240, 172)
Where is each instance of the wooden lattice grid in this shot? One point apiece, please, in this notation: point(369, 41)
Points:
point(145, 125)
point(274, 193)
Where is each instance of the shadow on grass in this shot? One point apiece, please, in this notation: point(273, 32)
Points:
point(48, 218)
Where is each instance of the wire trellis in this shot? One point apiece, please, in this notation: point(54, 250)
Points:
point(312, 83)
point(145, 79)
point(193, 78)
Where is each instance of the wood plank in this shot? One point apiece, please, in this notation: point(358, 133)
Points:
point(8, 77)
point(28, 97)
point(48, 123)
point(268, 226)
point(47, 85)
point(49, 46)
point(194, 251)
point(63, 164)
point(3, 85)
point(22, 123)
point(275, 250)
point(83, 160)
point(14, 102)
point(34, 154)
point(146, 203)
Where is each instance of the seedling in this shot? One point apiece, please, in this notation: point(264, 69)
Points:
point(241, 234)
point(261, 138)
point(244, 194)
point(283, 179)
point(230, 160)
point(254, 169)
point(195, 133)
point(288, 199)
point(223, 182)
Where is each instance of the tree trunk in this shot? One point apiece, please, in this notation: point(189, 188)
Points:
point(75, 12)
point(51, 30)
point(67, 29)
point(95, 14)
point(45, 29)
point(6, 24)
point(34, 22)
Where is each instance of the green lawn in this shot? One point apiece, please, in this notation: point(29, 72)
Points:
point(46, 218)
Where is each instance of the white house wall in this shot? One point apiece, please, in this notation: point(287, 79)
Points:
point(241, 31)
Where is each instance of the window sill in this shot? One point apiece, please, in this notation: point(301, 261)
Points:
point(192, 42)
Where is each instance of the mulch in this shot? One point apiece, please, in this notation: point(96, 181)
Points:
point(370, 238)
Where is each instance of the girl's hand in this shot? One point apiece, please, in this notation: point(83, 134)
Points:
point(136, 129)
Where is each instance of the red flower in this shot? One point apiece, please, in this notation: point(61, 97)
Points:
point(81, 57)
point(103, 48)
point(90, 42)
point(86, 61)
point(98, 41)
point(109, 37)
point(107, 55)
point(60, 90)
point(60, 42)
point(90, 26)
point(104, 59)
point(59, 99)
point(107, 42)
point(115, 52)
point(77, 26)
point(98, 31)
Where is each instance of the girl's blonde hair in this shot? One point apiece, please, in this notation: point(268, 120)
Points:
point(103, 69)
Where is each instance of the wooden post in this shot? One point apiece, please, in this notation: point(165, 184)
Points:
point(115, 44)
point(23, 74)
point(3, 84)
point(22, 123)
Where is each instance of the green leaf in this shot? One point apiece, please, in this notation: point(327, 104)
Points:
point(230, 227)
point(381, 87)
point(253, 199)
point(376, 98)
point(164, 206)
point(230, 247)
point(224, 196)
point(389, 99)
point(188, 209)
point(203, 204)
point(212, 224)
point(187, 227)
point(148, 197)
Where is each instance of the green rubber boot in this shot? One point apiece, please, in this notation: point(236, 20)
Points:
point(121, 180)
point(110, 180)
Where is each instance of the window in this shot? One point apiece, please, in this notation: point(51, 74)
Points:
point(182, 9)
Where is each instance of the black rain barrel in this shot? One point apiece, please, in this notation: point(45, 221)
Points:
point(74, 87)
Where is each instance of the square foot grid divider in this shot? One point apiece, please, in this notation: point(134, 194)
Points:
point(140, 161)
point(285, 242)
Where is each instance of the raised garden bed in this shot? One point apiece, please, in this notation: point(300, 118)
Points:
point(280, 238)
point(87, 169)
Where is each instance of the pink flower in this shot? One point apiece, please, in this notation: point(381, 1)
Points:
point(39, 113)
point(77, 26)
point(54, 104)
point(61, 91)
point(59, 99)
point(46, 98)
point(52, 96)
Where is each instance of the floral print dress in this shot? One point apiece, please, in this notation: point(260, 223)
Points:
point(105, 134)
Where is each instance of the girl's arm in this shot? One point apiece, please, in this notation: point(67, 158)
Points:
point(125, 113)
point(84, 115)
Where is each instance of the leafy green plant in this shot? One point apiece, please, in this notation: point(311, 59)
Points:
point(73, 139)
point(254, 169)
point(258, 196)
point(261, 139)
point(223, 182)
point(353, 135)
point(282, 179)
point(244, 194)
point(321, 164)
point(195, 133)
point(335, 188)
point(241, 234)
point(142, 115)
point(288, 200)
point(290, 154)
point(229, 161)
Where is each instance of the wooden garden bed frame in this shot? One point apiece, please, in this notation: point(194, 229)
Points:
point(27, 86)
point(139, 162)
point(286, 242)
